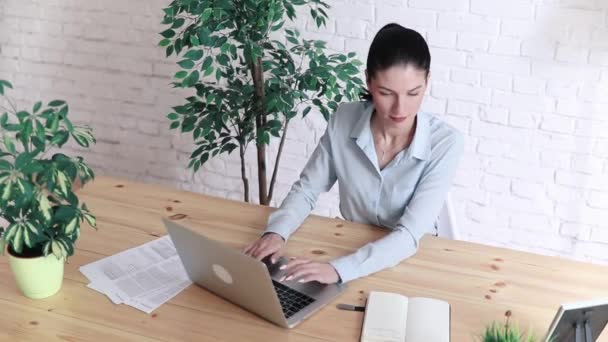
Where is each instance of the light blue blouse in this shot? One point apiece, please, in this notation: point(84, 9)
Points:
point(405, 196)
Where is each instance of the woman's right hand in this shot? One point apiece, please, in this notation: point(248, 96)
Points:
point(270, 244)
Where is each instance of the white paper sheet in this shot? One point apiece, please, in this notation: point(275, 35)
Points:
point(144, 277)
point(100, 289)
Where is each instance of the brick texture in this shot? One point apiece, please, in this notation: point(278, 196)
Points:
point(524, 80)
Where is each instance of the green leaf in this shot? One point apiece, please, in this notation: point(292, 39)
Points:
point(209, 71)
point(30, 227)
point(67, 245)
point(56, 103)
point(204, 158)
point(91, 220)
point(10, 232)
point(169, 50)
point(46, 248)
point(54, 124)
point(6, 192)
point(174, 125)
point(164, 42)
point(22, 160)
point(3, 84)
point(60, 138)
point(198, 151)
point(45, 206)
point(5, 165)
point(37, 107)
point(26, 238)
point(181, 74)
point(178, 23)
point(278, 26)
point(69, 228)
point(62, 181)
point(266, 138)
point(194, 55)
point(10, 145)
point(178, 44)
point(206, 14)
point(223, 60)
point(168, 11)
point(203, 35)
point(207, 63)
point(172, 116)
point(63, 112)
point(196, 165)
point(168, 33)
point(82, 137)
point(230, 147)
point(188, 123)
point(225, 48)
point(306, 111)
point(57, 249)
point(186, 64)
point(17, 242)
point(194, 40)
point(64, 213)
point(39, 132)
point(192, 79)
point(292, 40)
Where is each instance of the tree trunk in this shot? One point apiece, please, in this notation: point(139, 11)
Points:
point(243, 173)
point(262, 173)
point(276, 162)
point(260, 121)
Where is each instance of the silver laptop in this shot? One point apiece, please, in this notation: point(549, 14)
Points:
point(247, 282)
point(579, 321)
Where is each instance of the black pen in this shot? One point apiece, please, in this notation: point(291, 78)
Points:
point(350, 307)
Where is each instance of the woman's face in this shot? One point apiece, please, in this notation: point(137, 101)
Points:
point(397, 94)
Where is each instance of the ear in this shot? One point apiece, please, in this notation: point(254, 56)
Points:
point(367, 79)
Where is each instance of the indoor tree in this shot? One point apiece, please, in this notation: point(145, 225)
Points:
point(250, 76)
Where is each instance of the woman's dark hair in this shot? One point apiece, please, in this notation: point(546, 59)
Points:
point(396, 45)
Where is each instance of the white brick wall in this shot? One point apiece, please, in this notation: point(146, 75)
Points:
point(526, 81)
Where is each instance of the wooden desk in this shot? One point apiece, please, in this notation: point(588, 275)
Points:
point(481, 283)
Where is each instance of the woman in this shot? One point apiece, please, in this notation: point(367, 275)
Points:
point(394, 165)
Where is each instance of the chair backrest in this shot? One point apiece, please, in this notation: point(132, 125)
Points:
point(446, 225)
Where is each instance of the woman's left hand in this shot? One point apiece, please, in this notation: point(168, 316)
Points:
point(304, 270)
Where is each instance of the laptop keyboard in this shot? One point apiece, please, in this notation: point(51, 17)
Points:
point(291, 300)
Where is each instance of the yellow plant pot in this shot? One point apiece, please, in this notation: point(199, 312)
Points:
point(37, 277)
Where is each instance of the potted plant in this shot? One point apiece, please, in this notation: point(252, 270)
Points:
point(497, 332)
point(37, 201)
point(249, 76)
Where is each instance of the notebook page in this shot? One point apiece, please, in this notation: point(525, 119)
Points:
point(428, 320)
point(385, 317)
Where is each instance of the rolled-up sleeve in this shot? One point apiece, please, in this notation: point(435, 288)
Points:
point(317, 176)
point(417, 219)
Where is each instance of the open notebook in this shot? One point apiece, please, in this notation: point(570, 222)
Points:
point(391, 317)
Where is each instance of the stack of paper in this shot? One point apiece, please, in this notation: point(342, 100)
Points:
point(143, 277)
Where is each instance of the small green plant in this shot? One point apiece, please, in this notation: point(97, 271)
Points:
point(249, 76)
point(36, 191)
point(499, 333)
point(506, 333)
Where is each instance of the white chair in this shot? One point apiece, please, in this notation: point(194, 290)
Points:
point(446, 226)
